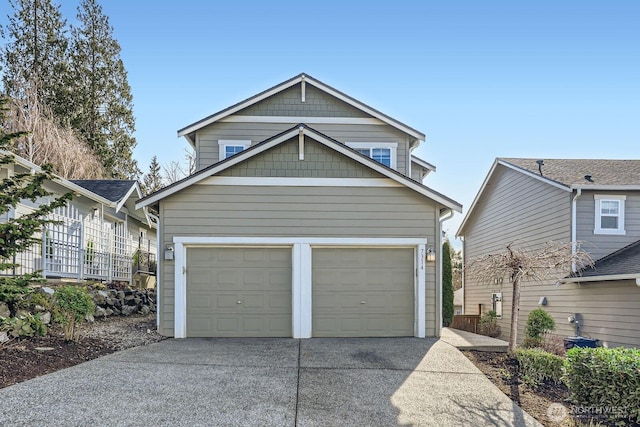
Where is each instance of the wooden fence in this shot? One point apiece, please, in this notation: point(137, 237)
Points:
point(466, 322)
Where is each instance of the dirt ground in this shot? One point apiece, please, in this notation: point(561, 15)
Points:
point(27, 358)
point(503, 372)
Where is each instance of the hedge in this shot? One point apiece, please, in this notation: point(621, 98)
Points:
point(605, 382)
point(538, 366)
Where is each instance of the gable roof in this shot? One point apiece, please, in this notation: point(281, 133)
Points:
point(582, 173)
point(111, 189)
point(187, 130)
point(285, 136)
point(620, 265)
point(568, 175)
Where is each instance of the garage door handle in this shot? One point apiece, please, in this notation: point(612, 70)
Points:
point(363, 302)
point(239, 302)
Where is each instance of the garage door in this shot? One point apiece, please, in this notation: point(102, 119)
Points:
point(239, 292)
point(363, 292)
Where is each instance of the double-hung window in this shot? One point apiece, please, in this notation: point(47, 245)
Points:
point(609, 215)
point(229, 147)
point(381, 152)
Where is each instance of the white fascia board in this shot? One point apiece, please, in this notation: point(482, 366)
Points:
point(122, 201)
point(251, 101)
point(366, 109)
point(423, 163)
point(480, 192)
point(289, 241)
point(61, 181)
point(607, 278)
point(232, 161)
point(270, 181)
point(243, 155)
point(225, 113)
point(607, 187)
point(303, 119)
point(383, 170)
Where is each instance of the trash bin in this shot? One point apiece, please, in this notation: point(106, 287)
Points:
point(570, 342)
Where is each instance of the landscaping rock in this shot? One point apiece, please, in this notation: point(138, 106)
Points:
point(100, 312)
point(89, 318)
point(47, 290)
point(45, 318)
point(4, 310)
point(145, 310)
point(128, 310)
point(103, 294)
point(4, 337)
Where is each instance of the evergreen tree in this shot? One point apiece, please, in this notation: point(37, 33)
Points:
point(17, 235)
point(34, 55)
point(447, 285)
point(152, 181)
point(103, 104)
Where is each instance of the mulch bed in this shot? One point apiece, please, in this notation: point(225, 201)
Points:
point(30, 357)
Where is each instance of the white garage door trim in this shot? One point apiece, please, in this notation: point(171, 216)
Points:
point(301, 273)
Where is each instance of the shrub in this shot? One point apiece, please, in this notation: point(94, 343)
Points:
point(488, 325)
point(73, 304)
point(607, 380)
point(553, 344)
point(537, 366)
point(539, 323)
point(27, 325)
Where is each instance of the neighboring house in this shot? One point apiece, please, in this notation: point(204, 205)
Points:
point(99, 235)
point(530, 202)
point(458, 297)
point(306, 217)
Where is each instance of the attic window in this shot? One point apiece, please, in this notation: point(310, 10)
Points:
point(609, 214)
point(381, 152)
point(230, 147)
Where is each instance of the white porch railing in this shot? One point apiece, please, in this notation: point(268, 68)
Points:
point(80, 247)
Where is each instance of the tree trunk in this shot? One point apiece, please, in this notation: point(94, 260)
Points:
point(515, 303)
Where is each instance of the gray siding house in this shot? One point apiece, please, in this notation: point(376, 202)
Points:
point(307, 217)
point(99, 235)
point(528, 202)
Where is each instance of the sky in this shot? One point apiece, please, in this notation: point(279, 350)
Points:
point(482, 79)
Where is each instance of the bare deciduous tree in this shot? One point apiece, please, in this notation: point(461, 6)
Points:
point(551, 262)
point(46, 141)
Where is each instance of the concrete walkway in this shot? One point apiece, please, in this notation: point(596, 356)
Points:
point(469, 341)
point(267, 382)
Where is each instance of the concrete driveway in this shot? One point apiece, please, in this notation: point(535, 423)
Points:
point(267, 382)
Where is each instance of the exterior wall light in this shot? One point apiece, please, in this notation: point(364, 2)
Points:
point(431, 254)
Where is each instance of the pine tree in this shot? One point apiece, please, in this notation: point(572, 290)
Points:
point(103, 104)
point(152, 181)
point(17, 235)
point(447, 285)
point(34, 56)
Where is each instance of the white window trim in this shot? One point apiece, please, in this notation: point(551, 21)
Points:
point(391, 145)
point(598, 200)
point(223, 143)
point(301, 248)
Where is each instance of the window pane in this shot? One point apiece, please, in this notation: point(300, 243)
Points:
point(609, 207)
point(382, 155)
point(364, 151)
point(609, 222)
point(230, 150)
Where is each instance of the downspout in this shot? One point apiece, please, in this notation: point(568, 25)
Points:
point(444, 218)
point(158, 269)
point(574, 226)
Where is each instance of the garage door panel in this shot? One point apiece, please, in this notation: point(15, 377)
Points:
point(345, 277)
point(258, 278)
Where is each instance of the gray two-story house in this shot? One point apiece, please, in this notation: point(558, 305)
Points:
point(306, 217)
point(528, 202)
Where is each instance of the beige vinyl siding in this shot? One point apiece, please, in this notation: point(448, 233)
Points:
point(319, 161)
point(601, 245)
point(610, 310)
point(365, 212)
point(289, 103)
point(207, 138)
point(514, 208)
point(416, 172)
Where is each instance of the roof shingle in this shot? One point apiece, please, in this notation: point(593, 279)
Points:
point(111, 189)
point(583, 172)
